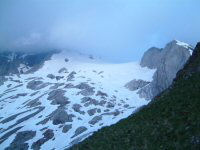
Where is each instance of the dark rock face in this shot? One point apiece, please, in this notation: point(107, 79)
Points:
point(48, 134)
point(20, 139)
point(136, 84)
point(10, 62)
point(169, 61)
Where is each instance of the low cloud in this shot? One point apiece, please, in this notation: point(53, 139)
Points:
point(115, 29)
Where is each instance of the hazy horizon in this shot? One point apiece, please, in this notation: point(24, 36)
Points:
point(119, 30)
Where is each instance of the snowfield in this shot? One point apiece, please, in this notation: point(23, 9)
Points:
point(66, 100)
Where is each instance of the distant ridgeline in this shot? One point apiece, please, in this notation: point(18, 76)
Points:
point(170, 121)
point(22, 62)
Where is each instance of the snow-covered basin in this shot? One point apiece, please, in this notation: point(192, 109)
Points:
point(109, 78)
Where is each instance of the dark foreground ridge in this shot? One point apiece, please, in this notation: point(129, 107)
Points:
point(170, 121)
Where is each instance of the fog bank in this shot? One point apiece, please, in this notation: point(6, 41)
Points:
point(119, 30)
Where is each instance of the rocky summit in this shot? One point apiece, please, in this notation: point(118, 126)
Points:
point(57, 99)
point(167, 62)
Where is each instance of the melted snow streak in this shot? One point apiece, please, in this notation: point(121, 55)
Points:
point(65, 101)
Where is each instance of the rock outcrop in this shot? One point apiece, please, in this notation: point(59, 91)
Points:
point(168, 62)
point(151, 58)
point(136, 84)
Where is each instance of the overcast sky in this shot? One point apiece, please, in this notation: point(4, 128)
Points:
point(116, 29)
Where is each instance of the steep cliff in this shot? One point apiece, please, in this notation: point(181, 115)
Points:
point(168, 62)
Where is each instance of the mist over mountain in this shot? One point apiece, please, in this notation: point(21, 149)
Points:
point(118, 30)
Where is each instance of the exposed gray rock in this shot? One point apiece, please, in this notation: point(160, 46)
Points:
point(86, 89)
point(110, 105)
point(79, 131)
point(8, 86)
point(66, 128)
point(34, 93)
point(8, 134)
point(89, 101)
point(48, 134)
point(57, 97)
point(12, 117)
point(19, 142)
point(102, 102)
point(59, 77)
point(151, 58)
point(91, 112)
point(25, 118)
point(170, 60)
point(69, 86)
point(77, 108)
point(95, 120)
point(115, 113)
point(126, 105)
point(87, 92)
point(83, 86)
point(71, 76)
point(60, 116)
point(35, 102)
point(102, 94)
point(66, 59)
point(56, 85)
point(19, 95)
point(136, 84)
point(36, 85)
point(51, 76)
point(63, 70)
point(99, 110)
point(79, 139)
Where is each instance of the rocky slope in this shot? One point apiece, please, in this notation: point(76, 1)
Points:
point(167, 62)
point(170, 121)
